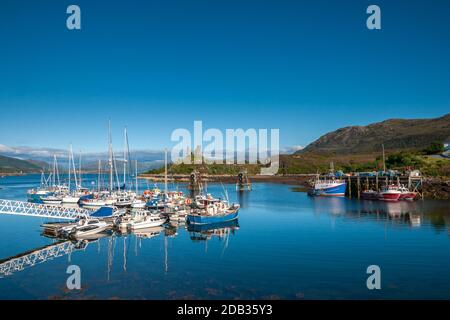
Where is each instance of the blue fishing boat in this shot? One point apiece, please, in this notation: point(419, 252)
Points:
point(330, 188)
point(215, 211)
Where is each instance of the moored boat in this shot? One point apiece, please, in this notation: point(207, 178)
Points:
point(214, 211)
point(329, 188)
point(369, 195)
point(406, 194)
point(389, 193)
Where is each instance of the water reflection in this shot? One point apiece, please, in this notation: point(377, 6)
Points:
point(402, 212)
point(219, 230)
point(62, 247)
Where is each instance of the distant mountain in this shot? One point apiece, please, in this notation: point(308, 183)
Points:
point(395, 134)
point(43, 157)
point(14, 165)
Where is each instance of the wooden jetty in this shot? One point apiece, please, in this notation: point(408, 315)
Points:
point(356, 184)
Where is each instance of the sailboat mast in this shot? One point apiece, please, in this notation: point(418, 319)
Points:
point(70, 164)
point(125, 160)
point(74, 168)
point(165, 170)
point(136, 174)
point(110, 157)
point(98, 177)
point(384, 159)
point(79, 170)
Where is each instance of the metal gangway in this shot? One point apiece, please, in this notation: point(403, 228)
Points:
point(31, 258)
point(21, 208)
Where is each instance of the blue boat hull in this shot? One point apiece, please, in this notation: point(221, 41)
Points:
point(335, 191)
point(200, 219)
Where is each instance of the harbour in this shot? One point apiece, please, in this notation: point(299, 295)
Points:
point(322, 242)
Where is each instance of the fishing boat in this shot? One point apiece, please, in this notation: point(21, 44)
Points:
point(215, 211)
point(332, 186)
point(406, 194)
point(329, 188)
point(389, 193)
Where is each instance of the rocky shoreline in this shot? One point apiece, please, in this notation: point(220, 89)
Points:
point(436, 188)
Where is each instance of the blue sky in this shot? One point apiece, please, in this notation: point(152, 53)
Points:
point(303, 67)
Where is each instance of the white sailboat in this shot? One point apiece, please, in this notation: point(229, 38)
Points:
point(71, 197)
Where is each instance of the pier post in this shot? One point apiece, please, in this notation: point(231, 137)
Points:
point(358, 182)
point(376, 182)
point(349, 187)
point(367, 183)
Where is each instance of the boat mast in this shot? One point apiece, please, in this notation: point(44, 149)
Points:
point(165, 170)
point(136, 174)
point(70, 164)
point(384, 159)
point(98, 177)
point(110, 157)
point(74, 168)
point(125, 160)
point(79, 171)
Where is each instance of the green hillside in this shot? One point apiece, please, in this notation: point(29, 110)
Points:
point(13, 165)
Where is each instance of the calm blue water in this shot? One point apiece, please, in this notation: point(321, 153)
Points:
point(287, 246)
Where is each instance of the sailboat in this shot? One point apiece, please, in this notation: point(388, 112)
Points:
point(55, 196)
point(71, 197)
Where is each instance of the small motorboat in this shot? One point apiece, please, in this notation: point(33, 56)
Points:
point(70, 199)
point(86, 227)
point(369, 195)
point(138, 204)
point(123, 202)
point(93, 203)
point(144, 219)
